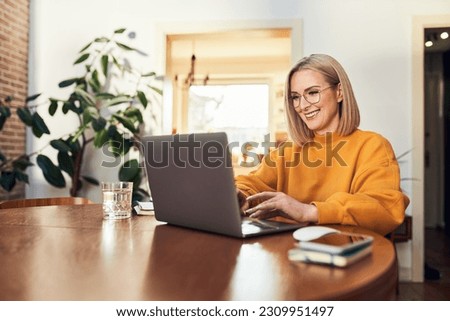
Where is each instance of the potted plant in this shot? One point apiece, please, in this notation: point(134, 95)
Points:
point(108, 100)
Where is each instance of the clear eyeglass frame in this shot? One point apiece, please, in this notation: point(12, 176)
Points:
point(311, 96)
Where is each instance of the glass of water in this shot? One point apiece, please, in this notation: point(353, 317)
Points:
point(117, 199)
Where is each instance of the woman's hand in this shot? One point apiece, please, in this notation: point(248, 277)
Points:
point(277, 203)
point(243, 203)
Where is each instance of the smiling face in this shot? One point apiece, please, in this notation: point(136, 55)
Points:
point(320, 117)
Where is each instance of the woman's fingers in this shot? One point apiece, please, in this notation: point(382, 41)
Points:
point(264, 215)
point(261, 196)
point(267, 206)
point(243, 203)
point(279, 204)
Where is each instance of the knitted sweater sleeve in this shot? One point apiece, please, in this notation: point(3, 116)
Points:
point(264, 178)
point(375, 200)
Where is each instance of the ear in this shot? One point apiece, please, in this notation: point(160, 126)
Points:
point(340, 95)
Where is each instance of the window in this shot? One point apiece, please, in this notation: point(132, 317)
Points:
point(240, 110)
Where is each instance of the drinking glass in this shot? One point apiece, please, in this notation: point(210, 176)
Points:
point(117, 199)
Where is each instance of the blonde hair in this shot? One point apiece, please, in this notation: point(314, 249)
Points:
point(334, 74)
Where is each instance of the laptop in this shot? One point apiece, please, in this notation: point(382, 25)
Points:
point(192, 185)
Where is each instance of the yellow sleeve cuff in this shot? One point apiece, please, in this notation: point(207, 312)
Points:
point(328, 213)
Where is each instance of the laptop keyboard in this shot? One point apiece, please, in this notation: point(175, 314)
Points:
point(250, 226)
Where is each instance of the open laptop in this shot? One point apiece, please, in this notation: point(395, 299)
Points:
point(192, 185)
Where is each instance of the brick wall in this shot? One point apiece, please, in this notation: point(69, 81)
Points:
point(14, 25)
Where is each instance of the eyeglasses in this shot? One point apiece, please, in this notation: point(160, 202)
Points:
point(311, 96)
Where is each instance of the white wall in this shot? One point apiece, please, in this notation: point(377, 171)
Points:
point(371, 38)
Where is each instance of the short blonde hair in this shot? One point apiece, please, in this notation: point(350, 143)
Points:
point(334, 74)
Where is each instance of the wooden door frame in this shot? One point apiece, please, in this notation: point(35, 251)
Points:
point(419, 24)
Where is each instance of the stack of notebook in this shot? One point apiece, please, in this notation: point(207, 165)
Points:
point(144, 208)
point(340, 249)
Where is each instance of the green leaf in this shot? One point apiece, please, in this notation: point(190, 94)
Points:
point(115, 141)
point(143, 192)
point(67, 83)
point(85, 47)
point(78, 133)
point(2, 121)
point(127, 123)
point(37, 132)
point(66, 107)
point(73, 107)
point(66, 163)
point(134, 113)
point(89, 114)
point(7, 180)
point(60, 145)
point(25, 116)
point(74, 144)
point(104, 96)
point(85, 96)
point(115, 148)
point(94, 82)
point(142, 98)
point(118, 100)
point(121, 30)
point(126, 146)
point(149, 74)
point(53, 107)
point(39, 124)
point(98, 123)
point(52, 173)
point(5, 111)
point(31, 98)
point(116, 63)
point(105, 60)
point(82, 58)
point(129, 170)
point(21, 163)
point(101, 39)
point(91, 180)
point(101, 137)
point(21, 176)
point(113, 133)
point(123, 46)
point(157, 90)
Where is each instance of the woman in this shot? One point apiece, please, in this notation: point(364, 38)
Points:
point(332, 172)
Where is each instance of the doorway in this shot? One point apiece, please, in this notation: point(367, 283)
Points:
point(437, 129)
point(437, 156)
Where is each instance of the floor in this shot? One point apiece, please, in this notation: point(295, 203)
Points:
point(437, 255)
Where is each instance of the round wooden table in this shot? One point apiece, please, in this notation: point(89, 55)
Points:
point(71, 253)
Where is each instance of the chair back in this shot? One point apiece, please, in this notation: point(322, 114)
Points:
point(31, 202)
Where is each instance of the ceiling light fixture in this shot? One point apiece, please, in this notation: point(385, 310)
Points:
point(191, 76)
point(444, 35)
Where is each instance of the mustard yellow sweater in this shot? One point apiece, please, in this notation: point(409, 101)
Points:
point(352, 180)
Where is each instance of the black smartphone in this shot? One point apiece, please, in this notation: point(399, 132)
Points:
point(337, 243)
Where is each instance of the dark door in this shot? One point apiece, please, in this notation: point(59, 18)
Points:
point(446, 61)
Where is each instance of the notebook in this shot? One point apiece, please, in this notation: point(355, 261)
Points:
point(340, 260)
point(191, 181)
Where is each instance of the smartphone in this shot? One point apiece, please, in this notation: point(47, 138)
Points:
point(338, 243)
